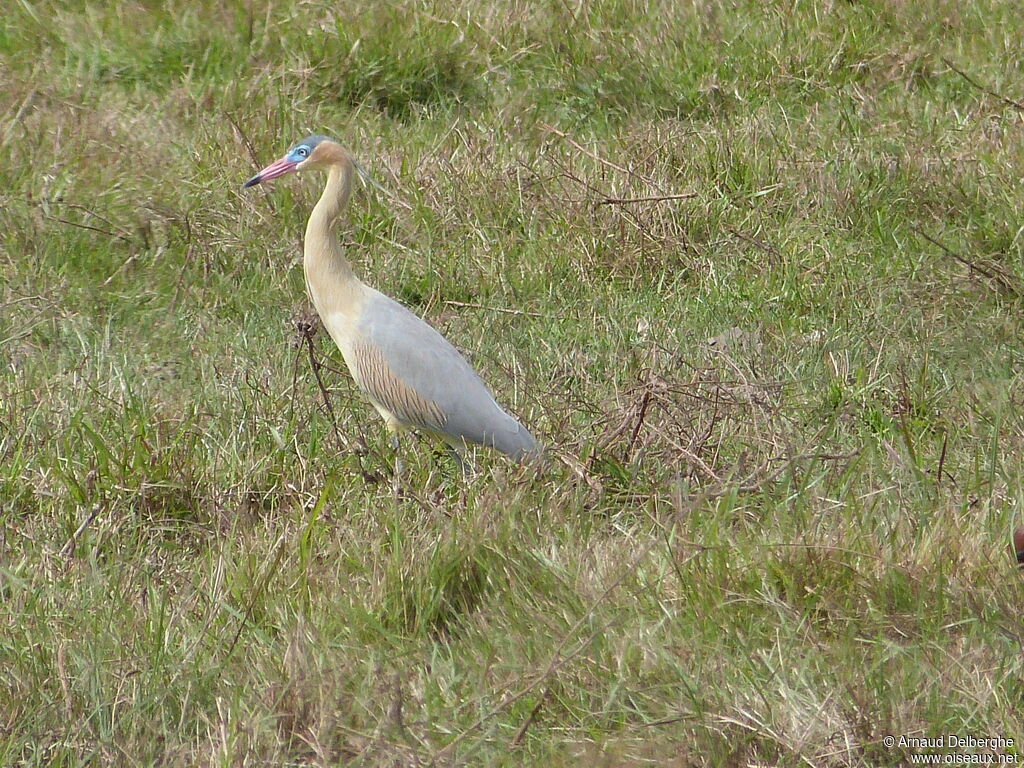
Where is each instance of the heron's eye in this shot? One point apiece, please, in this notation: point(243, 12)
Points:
point(302, 152)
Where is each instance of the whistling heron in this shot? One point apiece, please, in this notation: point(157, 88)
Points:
point(409, 371)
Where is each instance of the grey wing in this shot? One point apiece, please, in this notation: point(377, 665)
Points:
point(416, 374)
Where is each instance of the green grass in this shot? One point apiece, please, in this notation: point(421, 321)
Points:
point(772, 550)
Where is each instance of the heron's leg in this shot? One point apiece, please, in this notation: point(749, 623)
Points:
point(457, 458)
point(394, 428)
point(395, 446)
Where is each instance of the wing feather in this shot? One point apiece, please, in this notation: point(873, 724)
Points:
point(406, 366)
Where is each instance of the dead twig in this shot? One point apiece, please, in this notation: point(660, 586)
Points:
point(628, 213)
point(942, 459)
point(984, 89)
point(308, 330)
point(645, 402)
point(495, 309)
point(771, 250)
point(521, 733)
point(21, 300)
point(257, 591)
point(694, 459)
point(65, 687)
point(86, 209)
point(751, 485)
point(69, 547)
point(124, 265)
point(189, 255)
point(1006, 283)
point(243, 138)
point(600, 159)
point(653, 199)
point(22, 109)
point(664, 721)
point(102, 231)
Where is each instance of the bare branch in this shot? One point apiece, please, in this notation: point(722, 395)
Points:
point(982, 88)
point(1006, 282)
point(771, 250)
point(102, 231)
point(521, 733)
point(597, 157)
point(654, 199)
point(495, 309)
point(69, 547)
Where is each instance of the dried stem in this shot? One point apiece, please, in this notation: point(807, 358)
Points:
point(1006, 282)
point(69, 547)
point(982, 88)
point(494, 309)
point(654, 199)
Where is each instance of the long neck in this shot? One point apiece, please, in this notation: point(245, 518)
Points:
point(329, 276)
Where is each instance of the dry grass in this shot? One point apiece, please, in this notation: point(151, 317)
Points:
point(751, 271)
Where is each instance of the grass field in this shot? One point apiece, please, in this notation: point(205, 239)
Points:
point(752, 271)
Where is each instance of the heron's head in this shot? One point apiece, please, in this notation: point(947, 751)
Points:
point(310, 153)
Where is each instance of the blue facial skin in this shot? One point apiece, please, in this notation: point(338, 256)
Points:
point(304, 148)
